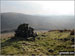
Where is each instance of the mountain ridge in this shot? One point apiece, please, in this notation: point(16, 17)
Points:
point(11, 20)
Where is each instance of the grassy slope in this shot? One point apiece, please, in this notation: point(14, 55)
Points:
point(42, 44)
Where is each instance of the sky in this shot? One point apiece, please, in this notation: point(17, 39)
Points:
point(39, 7)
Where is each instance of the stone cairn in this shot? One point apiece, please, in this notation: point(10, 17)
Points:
point(25, 31)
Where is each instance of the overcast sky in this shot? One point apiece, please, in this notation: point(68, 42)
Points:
point(39, 7)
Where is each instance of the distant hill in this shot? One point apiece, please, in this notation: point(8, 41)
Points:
point(10, 21)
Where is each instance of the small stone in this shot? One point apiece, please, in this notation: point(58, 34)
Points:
point(50, 50)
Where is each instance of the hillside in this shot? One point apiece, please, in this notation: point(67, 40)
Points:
point(10, 21)
point(47, 43)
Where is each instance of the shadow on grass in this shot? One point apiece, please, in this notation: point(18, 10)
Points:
point(13, 40)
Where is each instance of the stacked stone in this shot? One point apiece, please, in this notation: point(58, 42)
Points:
point(24, 31)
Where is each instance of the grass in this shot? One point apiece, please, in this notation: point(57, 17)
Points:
point(42, 45)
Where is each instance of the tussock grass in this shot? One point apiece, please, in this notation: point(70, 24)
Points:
point(44, 42)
